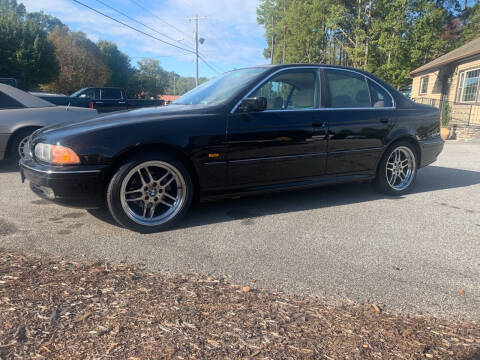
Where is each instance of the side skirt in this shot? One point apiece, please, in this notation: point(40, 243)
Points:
point(295, 185)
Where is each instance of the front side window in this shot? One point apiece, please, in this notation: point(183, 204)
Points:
point(93, 93)
point(290, 90)
point(347, 89)
point(468, 86)
point(6, 102)
point(423, 85)
point(111, 94)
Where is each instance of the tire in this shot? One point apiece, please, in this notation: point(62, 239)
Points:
point(14, 152)
point(396, 175)
point(150, 181)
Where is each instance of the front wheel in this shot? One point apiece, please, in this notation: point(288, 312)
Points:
point(397, 169)
point(150, 193)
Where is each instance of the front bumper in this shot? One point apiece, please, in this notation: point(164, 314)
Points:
point(76, 186)
point(430, 149)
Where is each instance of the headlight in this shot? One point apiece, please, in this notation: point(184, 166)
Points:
point(56, 154)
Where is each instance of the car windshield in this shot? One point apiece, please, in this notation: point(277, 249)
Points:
point(220, 88)
point(78, 92)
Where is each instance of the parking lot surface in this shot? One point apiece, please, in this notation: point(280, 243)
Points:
point(418, 253)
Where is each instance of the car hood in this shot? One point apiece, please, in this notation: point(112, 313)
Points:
point(127, 117)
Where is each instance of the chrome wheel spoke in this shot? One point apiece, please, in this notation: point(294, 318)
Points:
point(135, 199)
point(168, 182)
point(152, 210)
point(150, 177)
point(161, 201)
point(170, 196)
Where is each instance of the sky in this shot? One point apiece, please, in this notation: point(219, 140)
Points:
point(233, 39)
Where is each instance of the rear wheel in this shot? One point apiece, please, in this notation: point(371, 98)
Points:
point(150, 193)
point(397, 169)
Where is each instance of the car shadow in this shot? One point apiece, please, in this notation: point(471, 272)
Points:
point(431, 178)
point(7, 167)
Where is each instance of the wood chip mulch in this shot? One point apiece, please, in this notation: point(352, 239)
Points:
point(57, 309)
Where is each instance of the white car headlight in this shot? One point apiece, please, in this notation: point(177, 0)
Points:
point(56, 154)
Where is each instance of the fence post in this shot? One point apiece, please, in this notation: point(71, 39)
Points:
point(470, 115)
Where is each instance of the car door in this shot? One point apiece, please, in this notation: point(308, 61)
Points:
point(94, 95)
point(111, 99)
point(279, 144)
point(359, 115)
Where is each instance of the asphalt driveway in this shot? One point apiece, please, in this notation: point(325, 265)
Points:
point(418, 253)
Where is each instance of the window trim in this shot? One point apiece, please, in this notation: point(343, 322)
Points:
point(459, 94)
point(422, 79)
point(394, 105)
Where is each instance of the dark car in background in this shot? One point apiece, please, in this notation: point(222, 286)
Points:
point(8, 81)
point(254, 130)
point(103, 99)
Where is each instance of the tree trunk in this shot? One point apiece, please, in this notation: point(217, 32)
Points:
point(272, 45)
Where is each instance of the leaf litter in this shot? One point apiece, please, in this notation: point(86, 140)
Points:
point(56, 309)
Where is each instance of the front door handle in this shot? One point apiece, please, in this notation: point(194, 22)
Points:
point(384, 121)
point(320, 125)
point(98, 102)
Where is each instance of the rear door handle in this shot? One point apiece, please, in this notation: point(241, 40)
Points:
point(320, 125)
point(384, 121)
point(98, 102)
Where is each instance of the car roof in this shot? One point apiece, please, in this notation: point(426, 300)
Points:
point(26, 99)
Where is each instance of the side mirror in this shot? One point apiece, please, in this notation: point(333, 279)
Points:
point(253, 104)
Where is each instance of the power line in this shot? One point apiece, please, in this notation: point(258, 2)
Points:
point(131, 27)
point(181, 31)
point(138, 22)
point(159, 18)
point(210, 66)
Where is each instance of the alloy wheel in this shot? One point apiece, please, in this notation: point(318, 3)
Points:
point(400, 168)
point(153, 193)
point(23, 149)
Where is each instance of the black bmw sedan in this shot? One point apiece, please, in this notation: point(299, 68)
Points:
point(259, 129)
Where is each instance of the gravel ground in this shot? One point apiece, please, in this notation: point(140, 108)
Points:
point(82, 310)
point(418, 253)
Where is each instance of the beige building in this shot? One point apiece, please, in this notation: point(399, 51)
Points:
point(453, 79)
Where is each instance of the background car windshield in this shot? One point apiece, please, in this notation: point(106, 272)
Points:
point(220, 88)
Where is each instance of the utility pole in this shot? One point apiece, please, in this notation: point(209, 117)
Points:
point(174, 92)
point(196, 18)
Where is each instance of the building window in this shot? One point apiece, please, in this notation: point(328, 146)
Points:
point(423, 85)
point(468, 86)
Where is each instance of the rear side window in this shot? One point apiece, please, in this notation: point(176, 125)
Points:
point(6, 102)
point(347, 89)
point(111, 94)
point(380, 98)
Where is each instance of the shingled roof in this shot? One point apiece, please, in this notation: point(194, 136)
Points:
point(469, 49)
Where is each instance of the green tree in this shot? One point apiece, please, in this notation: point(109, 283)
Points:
point(153, 79)
point(471, 23)
point(119, 66)
point(81, 63)
point(26, 53)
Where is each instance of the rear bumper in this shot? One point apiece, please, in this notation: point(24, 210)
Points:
point(430, 150)
point(75, 186)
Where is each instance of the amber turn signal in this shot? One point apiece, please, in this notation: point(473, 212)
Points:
point(56, 154)
point(64, 156)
